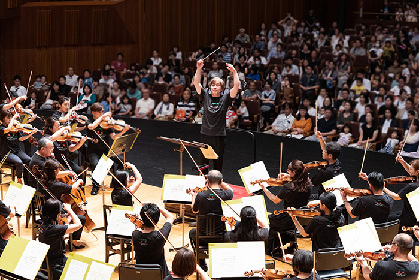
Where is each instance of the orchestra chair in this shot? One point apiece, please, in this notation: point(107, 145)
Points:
point(330, 263)
point(129, 271)
point(387, 231)
point(114, 244)
point(12, 168)
point(45, 273)
point(209, 235)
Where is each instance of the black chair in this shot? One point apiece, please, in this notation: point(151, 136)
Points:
point(387, 231)
point(330, 263)
point(129, 271)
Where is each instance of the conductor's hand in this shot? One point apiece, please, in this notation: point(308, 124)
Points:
point(230, 67)
point(199, 64)
point(318, 134)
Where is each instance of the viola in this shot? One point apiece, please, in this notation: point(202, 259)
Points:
point(274, 181)
point(373, 256)
point(271, 273)
point(74, 137)
point(6, 230)
point(231, 220)
point(303, 213)
point(352, 192)
point(109, 123)
point(316, 164)
point(400, 179)
point(133, 219)
point(196, 189)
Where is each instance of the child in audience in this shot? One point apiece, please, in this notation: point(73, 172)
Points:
point(231, 117)
point(125, 107)
point(345, 135)
point(391, 143)
point(242, 111)
point(108, 105)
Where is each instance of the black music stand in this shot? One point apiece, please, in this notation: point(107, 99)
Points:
point(123, 144)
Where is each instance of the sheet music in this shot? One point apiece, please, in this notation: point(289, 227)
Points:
point(413, 198)
point(339, 181)
point(175, 190)
point(254, 172)
point(254, 249)
point(360, 235)
point(223, 262)
point(31, 259)
point(99, 271)
point(19, 197)
point(102, 169)
point(118, 224)
point(76, 270)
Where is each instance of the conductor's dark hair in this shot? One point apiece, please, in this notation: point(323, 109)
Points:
point(376, 180)
point(153, 212)
point(303, 261)
point(333, 148)
point(214, 177)
point(52, 207)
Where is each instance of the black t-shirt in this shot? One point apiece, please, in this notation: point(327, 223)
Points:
point(375, 206)
point(99, 148)
point(317, 277)
point(40, 162)
point(60, 148)
point(368, 131)
point(324, 232)
point(57, 115)
point(232, 236)
point(149, 247)
point(324, 174)
point(293, 198)
point(390, 270)
point(214, 117)
point(4, 210)
point(53, 235)
point(9, 141)
point(121, 197)
point(407, 218)
point(57, 189)
point(326, 126)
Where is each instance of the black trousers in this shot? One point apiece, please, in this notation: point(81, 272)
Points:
point(77, 233)
point(217, 143)
point(283, 225)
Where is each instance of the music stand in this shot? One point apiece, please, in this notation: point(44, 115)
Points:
point(208, 153)
point(122, 144)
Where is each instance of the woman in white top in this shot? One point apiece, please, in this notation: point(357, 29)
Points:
point(156, 58)
point(412, 141)
point(363, 100)
point(164, 108)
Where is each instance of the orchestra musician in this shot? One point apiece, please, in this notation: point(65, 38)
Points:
point(57, 188)
point(9, 140)
point(148, 242)
point(377, 206)
point(6, 212)
point(63, 112)
point(184, 265)
point(294, 194)
point(52, 233)
point(12, 103)
point(302, 265)
point(407, 217)
point(95, 151)
point(402, 266)
point(119, 195)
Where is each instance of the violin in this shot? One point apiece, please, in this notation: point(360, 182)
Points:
point(274, 181)
point(409, 228)
point(373, 256)
point(74, 137)
point(400, 179)
point(133, 219)
point(196, 189)
point(25, 128)
point(80, 119)
point(6, 230)
point(231, 220)
point(352, 192)
point(20, 110)
point(270, 273)
point(109, 123)
point(33, 141)
point(303, 213)
point(316, 164)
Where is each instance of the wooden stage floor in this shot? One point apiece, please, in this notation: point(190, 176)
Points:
point(95, 248)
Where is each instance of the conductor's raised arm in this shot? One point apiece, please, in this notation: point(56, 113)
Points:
point(197, 78)
point(236, 81)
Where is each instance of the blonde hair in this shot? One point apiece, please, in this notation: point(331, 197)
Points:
point(221, 81)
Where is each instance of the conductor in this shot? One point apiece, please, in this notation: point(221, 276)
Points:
point(215, 101)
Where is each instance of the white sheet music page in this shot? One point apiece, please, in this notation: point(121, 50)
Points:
point(339, 181)
point(102, 169)
point(223, 262)
point(251, 256)
point(255, 171)
point(31, 259)
point(118, 224)
point(99, 271)
point(76, 270)
point(19, 197)
point(413, 198)
point(360, 235)
point(175, 190)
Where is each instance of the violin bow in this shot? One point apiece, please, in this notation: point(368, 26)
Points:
point(365, 153)
point(29, 82)
point(39, 181)
point(316, 117)
point(202, 174)
point(145, 213)
point(10, 97)
point(280, 158)
point(117, 156)
point(314, 265)
point(404, 141)
point(282, 246)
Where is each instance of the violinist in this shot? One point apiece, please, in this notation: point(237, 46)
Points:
point(148, 242)
point(12, 103)
point(323, 229)
point(294, 194)
point(119, 195)
point(96, 151)
point(407, 217)
point(5, 212)
point(377, 206)
point(402, 266)
point(302, 265)
point(206, 202)
point(57, 188)
point(184, 265)
point(63, 112)
point(9, 140)
point(52, 234)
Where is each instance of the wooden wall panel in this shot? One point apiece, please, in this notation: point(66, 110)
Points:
point(99, 26)
point(43, 28)
point(71, 27)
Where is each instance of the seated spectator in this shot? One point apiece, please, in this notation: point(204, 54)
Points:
point(87, 79)
point(310, 109)
point(106, 79)
point(267, 102)
point(231, 117)
point(309, 83)
point(387, 121)
point(345, 136)
point(320, 98)
point(17, 89)
point(52, 97)
point(388, 104)
point(274, 80)
point(313, 60)
point(276, 52)
point(98, 90)
point(326, 126)
point(346, 115)
point(293, 69)
point(410, 148)
point(133, 92)
point(71, 78)
point(187, 105)
point(283, 122)
point(411, 115)
point(401, 101)
point(119, 65)
point(215, 72)
point(174, 64)
point(258, 44)
point(125, 107)
point(256, 55)
point(115, 90)
point(362, 102)
point(344, 69)
point(368, 131)
point(30, 103)
point(358, 87)
point(108, 105)
point(86, 99)
point(253, 75)
point(242, 111)
point(327, 102)
point(144, 107)
point(273, 42)
point(330, 74)
point(64, 89)
point(402, 85)
point(242, 36)
point(164, 108)
point(301, 126)
point(251, 93)
point(274, 30)
point(391, 143)
point(368, 109)
point(365, 82)
point(156, 59)
point(357, 49)
point(164, 75)
point(394, 69)
point(38, 82)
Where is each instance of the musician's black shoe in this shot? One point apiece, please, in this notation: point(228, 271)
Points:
point(94, 190)
point(291, 249)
